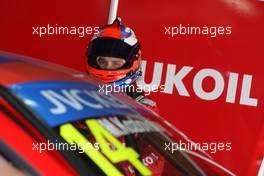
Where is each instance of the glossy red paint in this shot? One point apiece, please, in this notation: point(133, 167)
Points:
point(202, 121)
point(21, 142)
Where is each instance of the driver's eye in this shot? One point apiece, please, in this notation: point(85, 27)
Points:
point(118, 63)
point(101, 62)
point(110, 63)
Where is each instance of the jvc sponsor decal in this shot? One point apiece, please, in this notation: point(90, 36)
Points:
point(175, 77)
point(58, 102)
point(76, 99)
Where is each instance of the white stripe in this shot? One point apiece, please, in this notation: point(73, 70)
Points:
point(210, 161)
point(261, 169)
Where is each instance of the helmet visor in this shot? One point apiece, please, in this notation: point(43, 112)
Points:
point(110, 63)
point(111, 47)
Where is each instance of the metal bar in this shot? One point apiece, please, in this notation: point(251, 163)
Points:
point(113, 11)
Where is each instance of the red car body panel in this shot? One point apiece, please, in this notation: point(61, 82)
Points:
point(202, 121)
point(45, 163)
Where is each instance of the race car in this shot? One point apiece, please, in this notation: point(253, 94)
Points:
point(58, 121)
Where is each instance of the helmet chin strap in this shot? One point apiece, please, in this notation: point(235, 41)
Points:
point(128, 80)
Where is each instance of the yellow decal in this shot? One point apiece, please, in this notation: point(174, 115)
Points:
point(103, 137)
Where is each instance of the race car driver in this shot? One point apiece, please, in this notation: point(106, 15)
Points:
point(114, 56)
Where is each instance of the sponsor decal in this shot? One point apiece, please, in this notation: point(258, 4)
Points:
point(58, 102)
point(175, 79)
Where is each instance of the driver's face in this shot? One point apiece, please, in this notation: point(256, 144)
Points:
point(110, 63)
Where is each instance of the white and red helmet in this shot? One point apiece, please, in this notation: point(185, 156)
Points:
point(115, 40)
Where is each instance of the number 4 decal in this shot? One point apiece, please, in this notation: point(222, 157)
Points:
point(102, 136)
